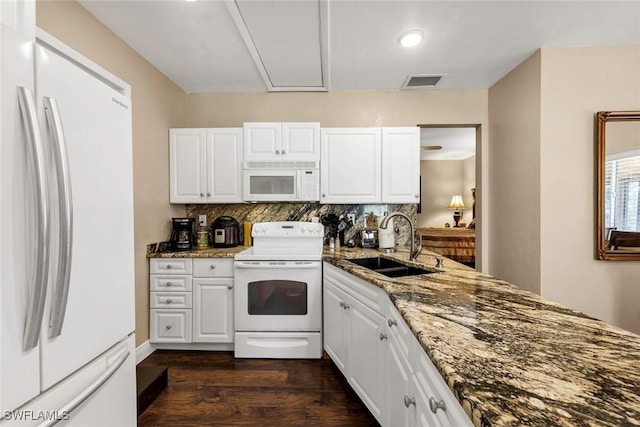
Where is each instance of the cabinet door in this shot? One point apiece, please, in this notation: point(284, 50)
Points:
point(19, 16)
point(350, 169)
point(301, 141)
point(401, 407)
point(367, 357)
point(187, 166)
point(262, 141)
point(334, 328)
point(401, 165)
point(224, 165)
point(171, 326)
point(213, 310)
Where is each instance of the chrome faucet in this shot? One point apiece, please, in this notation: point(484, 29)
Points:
point(415, 249)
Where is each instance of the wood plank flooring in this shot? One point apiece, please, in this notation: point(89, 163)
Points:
point(214, 389)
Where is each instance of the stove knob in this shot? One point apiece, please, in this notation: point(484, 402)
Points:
point(303, 228)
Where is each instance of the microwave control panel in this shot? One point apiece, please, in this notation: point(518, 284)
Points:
point(310, 185)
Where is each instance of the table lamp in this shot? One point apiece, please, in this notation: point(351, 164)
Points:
point(457, 204)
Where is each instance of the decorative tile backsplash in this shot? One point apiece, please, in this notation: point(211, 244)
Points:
point(264, 212)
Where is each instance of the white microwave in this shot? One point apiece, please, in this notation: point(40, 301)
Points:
point(281, 181)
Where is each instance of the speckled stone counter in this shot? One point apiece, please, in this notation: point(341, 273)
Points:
point(199, 253)
point(511, 357)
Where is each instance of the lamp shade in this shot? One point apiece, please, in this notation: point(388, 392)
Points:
point(456, 203)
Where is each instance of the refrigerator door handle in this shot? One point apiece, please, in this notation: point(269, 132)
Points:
point(61, 162)
point(71, 405)
point(35, 149)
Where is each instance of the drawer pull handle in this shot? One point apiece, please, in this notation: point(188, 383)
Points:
point(212, 266)
point(408, 401)
point(392, 322)
point(169, 284)
point(169, 266)
point(382, 336)
point(169, 300)
point(229, 286)
point(435, 405)
point(169, 326)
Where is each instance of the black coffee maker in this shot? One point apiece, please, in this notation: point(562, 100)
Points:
point(183, 233)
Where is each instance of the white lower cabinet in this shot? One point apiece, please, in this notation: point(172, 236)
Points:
point(383, 362)
point(191, 300)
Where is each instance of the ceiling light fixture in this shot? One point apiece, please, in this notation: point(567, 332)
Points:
point(411, 38)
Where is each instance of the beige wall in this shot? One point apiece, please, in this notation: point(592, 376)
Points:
point(441, 179)
point(361, 108)
point(157, 105)
point(577, 82)
point(542, 178)
point(514, 176)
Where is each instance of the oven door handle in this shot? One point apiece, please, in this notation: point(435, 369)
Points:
point(279, 266)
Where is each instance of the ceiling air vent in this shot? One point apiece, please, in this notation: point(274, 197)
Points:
point(421, 81)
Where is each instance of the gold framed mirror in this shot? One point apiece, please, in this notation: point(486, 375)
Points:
point(618, 185)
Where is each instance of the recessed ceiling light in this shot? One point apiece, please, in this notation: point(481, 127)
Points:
point(411, 38)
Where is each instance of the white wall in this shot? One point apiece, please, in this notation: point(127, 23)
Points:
point(576, 83)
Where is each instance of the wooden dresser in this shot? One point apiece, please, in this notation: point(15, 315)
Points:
point(459, 244)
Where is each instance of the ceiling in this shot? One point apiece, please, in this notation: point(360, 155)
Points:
point(206, 46)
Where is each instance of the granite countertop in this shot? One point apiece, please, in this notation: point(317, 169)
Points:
point(512, 357)
point(198, 253)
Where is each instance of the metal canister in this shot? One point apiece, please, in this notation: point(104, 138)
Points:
point(202, 238)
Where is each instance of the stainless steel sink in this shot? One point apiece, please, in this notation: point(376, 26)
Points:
point(388, 267)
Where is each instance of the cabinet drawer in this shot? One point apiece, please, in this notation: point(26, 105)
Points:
point(170, 265)
point(171, 326)
point(372, 296)
point(213, 267)
point(434, 388)
point(170, 300)
point(398, 329)
point(168, 283)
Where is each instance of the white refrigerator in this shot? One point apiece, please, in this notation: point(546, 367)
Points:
point(67, 349)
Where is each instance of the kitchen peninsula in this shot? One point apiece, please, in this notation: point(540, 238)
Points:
point(509, 356)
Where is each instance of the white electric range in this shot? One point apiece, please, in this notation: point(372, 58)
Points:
point(278, 292)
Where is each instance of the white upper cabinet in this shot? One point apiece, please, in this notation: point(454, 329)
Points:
point(350, 169)
point(206, 165)
point(275, 141)
point(370, 165)
point(401, 165)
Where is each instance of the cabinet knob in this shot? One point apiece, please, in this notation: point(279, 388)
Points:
point(169, 300)
point(277, 151)
point(408, 401)
point(284, 151)
point(391, 322)
point(229, 286)
point(383, 336)
point(169, 326)
point(212, 266)
point(341, 304)
point(201, 194)
point(346, 306)
point(169, 266)
point(417, 196)
point(208, 194)
point(324, 195)
point(434, 405)
point(169, 284)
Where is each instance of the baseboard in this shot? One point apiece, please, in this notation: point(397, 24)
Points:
point(144, 350)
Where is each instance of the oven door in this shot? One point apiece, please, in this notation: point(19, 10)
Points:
point(278, 295)
point(269, 185)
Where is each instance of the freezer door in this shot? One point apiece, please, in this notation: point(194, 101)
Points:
point(96, 123)
point(19, 370)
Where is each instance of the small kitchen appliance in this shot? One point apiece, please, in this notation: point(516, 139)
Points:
point(278, 292)
point(182, 233)
point(226, 232)
point(369, 237)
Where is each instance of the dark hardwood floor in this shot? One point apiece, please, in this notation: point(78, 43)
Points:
point(214, 389)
